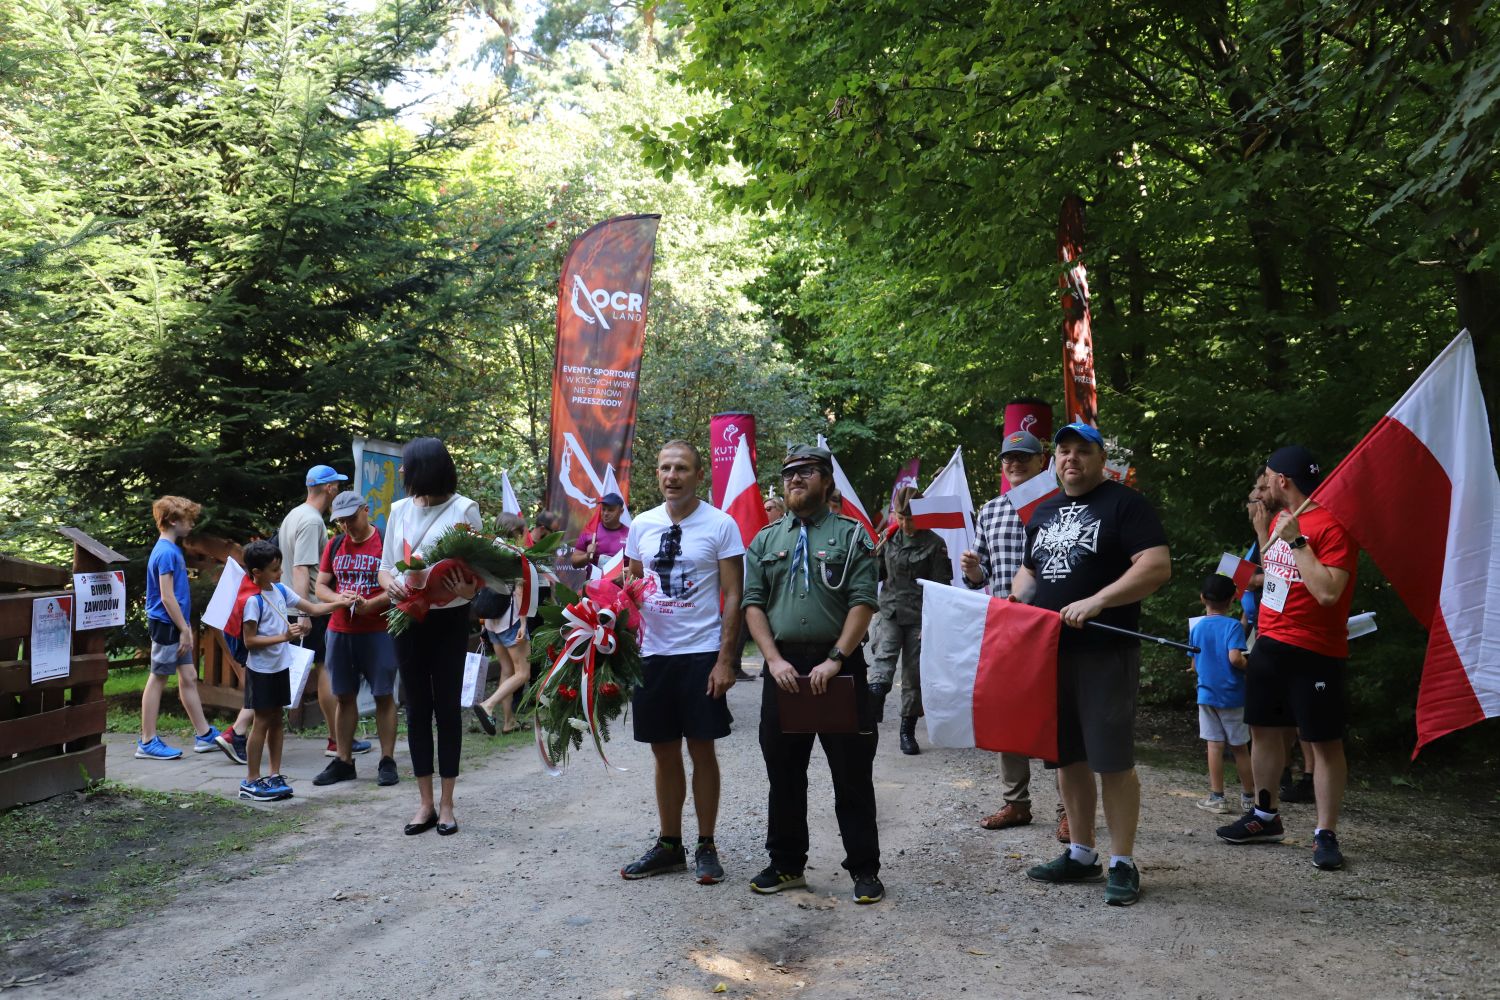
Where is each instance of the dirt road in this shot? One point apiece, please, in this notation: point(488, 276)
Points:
point(526, 900)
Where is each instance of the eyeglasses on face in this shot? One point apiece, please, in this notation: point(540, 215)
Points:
point(801, 472)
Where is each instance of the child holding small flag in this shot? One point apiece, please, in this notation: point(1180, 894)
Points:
point(1220, 666)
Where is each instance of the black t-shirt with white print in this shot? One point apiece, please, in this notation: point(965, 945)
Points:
point(1077, 546)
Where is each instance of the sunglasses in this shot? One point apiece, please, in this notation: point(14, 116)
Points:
point(801, 472)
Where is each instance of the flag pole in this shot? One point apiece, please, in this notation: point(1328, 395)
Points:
point(1149, 638)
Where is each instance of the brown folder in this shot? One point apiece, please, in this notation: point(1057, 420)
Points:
point(833, 711)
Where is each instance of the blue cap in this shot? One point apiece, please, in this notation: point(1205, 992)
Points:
point(321, 475)
point(1082, 430)
point(612, 500)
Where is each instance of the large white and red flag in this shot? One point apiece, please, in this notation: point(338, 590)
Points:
point(852, 507)
point(937, 512)
point(742, 496)
point(1027, 497)
point(1421, 495)
point(989, 672)
point(954, 481)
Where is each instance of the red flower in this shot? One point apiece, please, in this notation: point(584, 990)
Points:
point(609, 689)
point(567, 693)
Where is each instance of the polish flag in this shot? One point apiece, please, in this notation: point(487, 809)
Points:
point(989, 672)
point(1027, 497)
point(508, 502)
point(1421, 495)
point(1237, 569)
point(935, 513)
point(852, 507)
point(954, 481)
point(611, 485)
point(741, 498)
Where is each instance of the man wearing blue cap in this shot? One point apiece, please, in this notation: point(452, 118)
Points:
point(1093, 552)
point(301, 537)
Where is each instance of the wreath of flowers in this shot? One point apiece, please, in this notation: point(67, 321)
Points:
point(459, 554)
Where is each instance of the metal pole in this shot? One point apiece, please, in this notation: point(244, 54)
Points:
point(1148, 638)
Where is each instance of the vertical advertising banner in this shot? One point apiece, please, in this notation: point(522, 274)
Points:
point(1078, 336)
point(1027, 414)
point(376, 477)
point(601, 331)
point(724, 433)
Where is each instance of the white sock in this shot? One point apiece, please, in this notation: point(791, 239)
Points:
point(1263, 816)
point(1115, 859)
point(1083, 854)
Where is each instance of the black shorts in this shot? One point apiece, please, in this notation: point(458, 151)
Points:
point(1096, 692)
point(267, 692)
point(1287, 685)
point(672, 700)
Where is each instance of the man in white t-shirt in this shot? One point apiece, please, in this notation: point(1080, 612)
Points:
point(691, 558)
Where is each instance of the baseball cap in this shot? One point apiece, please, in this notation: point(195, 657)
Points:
point(1022, 441)
point(1082, 430)
point(346, 504)
point(1217, 588)
point(612, 500)
point(321, 475)
point(1297, 464)
point(802, 454)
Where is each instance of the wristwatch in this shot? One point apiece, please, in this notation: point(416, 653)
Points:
point(837, 655)
point(1299, 542)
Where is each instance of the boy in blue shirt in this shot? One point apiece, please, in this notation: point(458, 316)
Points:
point(1221, 690)
point(168, 607)
point(267, 628)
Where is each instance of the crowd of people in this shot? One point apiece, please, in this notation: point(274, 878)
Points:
point(805, 589)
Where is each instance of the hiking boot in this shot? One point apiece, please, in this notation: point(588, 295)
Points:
point(1251, 829)
point(1299, 793)
point(1214, 804)
point(868, 889)
point(233, 745)
point(1124, 886)
point(657, 861)
point(336, 771)
point(706, 865)
point(878, 691)
point(771, 880)
point(1011, 814)
point(1064, 835)
point(909, 735)
point(155, 749)
point(386, 772)
point(206, 743)
point(1326, 853)
point(1065, 869)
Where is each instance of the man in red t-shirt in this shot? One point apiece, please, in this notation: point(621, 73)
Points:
point(1297, 669)
point(358, 646)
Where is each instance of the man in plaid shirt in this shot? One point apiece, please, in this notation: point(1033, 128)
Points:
point(996, 556)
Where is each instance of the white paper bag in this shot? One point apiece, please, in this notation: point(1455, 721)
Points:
point(365, 700)
point(476, 672)
point(299, 660)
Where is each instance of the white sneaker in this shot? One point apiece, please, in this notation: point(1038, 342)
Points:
point(1214, 804)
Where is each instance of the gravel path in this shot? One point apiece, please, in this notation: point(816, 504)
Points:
point(526, 900)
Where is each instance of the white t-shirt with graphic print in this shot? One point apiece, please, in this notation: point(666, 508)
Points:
point(680, 606)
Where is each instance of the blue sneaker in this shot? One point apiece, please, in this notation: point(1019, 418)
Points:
point(357, 746)
point(156, 750)
point(260, 790)
point(205, 743)
point(278, 784)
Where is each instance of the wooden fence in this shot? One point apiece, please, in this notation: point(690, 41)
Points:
point(50, 731)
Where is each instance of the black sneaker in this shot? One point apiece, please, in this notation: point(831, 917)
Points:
point(386, 772)
point(336, 771)
point(1300, 792)
point(1124, 886)
point(657, 861)
point(1326, 853)
point(706, 865)
point(771, 880)
point(868, 889)
point(1065, 869)
point(1251, 829)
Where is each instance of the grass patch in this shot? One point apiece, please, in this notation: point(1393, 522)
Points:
point(109, 855)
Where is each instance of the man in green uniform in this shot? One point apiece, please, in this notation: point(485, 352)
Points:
point(809, 595)
point(906, 558)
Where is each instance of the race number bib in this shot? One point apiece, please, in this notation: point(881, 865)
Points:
point(1273, 594)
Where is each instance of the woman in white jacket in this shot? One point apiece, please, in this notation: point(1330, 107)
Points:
point(430, 654)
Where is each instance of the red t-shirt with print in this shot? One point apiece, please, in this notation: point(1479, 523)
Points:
point(1301, 621)
point(355, 566)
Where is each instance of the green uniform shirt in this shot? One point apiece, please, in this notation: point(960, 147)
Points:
point(905, 559)
point(840, 574)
